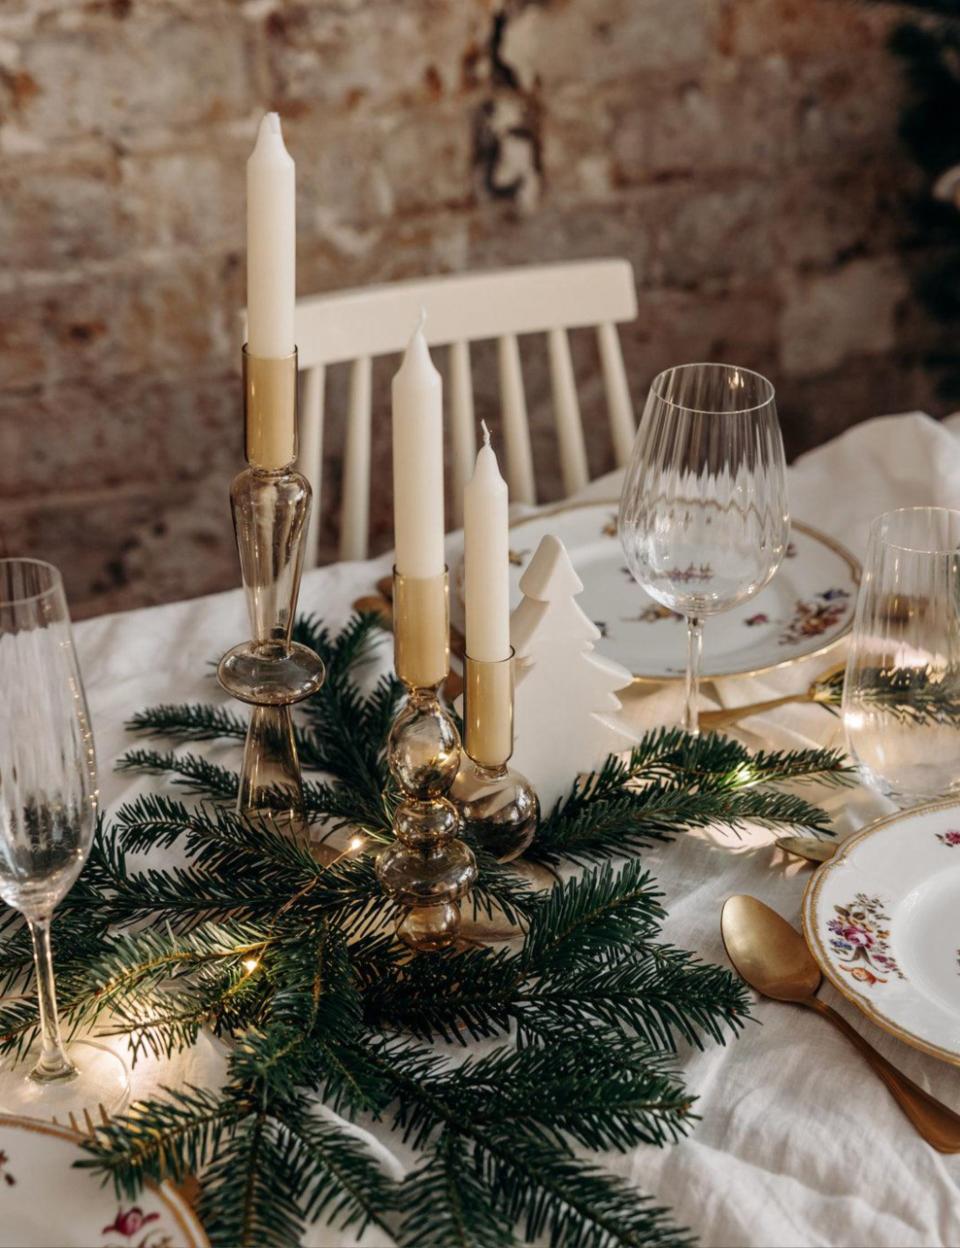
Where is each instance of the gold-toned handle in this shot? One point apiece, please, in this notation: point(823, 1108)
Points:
point(733, 714)
point(934, 1121)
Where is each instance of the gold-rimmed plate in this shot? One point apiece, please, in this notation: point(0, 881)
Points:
point(804, 611)
point(882, 919)
point(48, 1201)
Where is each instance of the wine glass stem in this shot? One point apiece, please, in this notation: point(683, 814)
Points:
point(54, 1063)
point(691, 711)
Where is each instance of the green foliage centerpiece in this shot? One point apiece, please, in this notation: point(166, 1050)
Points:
point(294, 962)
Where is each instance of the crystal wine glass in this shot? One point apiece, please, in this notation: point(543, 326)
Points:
point(48, 808)
point(901, 693)
point(703, 515)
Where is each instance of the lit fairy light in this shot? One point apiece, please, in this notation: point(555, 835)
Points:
point(746, 773)
point(356, 844)
point(250, 964)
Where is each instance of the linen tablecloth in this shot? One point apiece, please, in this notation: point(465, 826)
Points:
point(799, 1143)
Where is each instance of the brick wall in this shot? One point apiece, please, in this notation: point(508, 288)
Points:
point(742, 153)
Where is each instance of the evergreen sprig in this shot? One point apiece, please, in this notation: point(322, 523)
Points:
point(908, 695)
point(295, 963)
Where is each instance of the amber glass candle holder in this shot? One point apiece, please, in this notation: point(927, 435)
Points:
point(271, 504)
point(499, 807)
point(427, 868)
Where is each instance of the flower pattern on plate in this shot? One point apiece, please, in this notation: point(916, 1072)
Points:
point(131, 1222)
point(950, 838)
point(652, 615)
point(814, 616)
point(860, 939)
point(692, 572)
point(7, 1176)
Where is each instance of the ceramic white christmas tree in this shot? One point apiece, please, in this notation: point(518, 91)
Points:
point(567, 717)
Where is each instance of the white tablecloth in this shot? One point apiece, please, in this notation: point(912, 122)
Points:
point(799, 1143)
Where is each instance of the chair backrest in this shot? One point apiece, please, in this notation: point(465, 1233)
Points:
point(354, 326)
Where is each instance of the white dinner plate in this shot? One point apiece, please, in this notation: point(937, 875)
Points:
point(804, 610)
point(46, 1203)
point(882, 919)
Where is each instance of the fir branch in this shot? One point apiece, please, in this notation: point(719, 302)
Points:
point(159, 1139)
point(599, 911)
point(190, 772)
point(191, 721)
point(909, 695)
point(296, 964)
point(446, 1204)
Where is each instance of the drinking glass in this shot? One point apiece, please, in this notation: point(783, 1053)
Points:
point(703, 517)
point(48, 808)
point(901, 693)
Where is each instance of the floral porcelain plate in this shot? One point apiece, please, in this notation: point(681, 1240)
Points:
point(46, 1203)
point(806, 607)
point(882, 919)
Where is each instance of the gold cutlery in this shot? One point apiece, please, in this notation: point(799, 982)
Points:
point(774, 960)
point(822, 690)
point(809, 847)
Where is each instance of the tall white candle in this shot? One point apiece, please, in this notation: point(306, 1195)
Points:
point(271, 243)
point(418, 462)
point(486, 559)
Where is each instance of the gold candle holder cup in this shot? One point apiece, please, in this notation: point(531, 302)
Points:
point(500, 808)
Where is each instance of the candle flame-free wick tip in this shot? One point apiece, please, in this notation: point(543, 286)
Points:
point(421, 320)
point(272, 121)
point(486, 433)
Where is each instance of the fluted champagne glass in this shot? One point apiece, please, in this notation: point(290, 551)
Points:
point(703, 517)
point(48, 809)
point(901, 692)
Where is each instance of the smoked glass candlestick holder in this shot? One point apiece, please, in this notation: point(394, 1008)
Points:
point(271, 503)
point(499, 807)
point(427, 869)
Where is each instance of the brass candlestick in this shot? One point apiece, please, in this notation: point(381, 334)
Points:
point(499, 806)
point(271, 503)
point(428, 868)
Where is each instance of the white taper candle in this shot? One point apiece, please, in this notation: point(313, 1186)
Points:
point(486, 559)
point(418, 462)
point(271, 243)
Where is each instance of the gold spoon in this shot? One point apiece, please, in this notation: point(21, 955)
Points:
point(809, 847)
point(774, 959)
point(819, 690)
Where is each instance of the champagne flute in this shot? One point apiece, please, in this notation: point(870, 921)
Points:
point(901, 692)
point(48, 809)
point(703, 517)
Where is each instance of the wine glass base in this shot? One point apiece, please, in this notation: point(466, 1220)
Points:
point(100, 1087)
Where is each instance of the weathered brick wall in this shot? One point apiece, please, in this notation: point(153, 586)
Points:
point(741, 153)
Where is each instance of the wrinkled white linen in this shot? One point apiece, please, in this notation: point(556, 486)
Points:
point(799, 1143)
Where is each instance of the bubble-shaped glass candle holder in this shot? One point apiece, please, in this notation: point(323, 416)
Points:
point(427, 869)
point(499, 807)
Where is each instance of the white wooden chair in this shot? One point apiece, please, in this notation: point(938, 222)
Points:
point(356, 325)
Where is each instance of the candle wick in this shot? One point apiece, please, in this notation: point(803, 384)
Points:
point(421, 320)
point(486, 433)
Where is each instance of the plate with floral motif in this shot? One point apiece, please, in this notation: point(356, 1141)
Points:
point(882, 919)
point(805, 609)
point(45, 1202)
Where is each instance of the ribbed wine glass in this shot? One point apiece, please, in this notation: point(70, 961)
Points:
point(48, 809)
point(901, 693)
point(703, 515)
